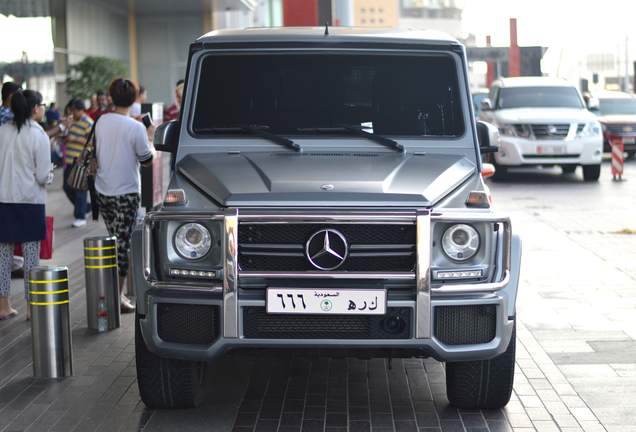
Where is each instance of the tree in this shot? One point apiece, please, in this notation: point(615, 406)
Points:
point(93, 74)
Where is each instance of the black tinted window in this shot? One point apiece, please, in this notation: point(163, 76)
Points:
point(390, 94)
point(531, 97)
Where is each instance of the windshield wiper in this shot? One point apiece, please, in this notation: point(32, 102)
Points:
point(357, 130)
point(256, 130)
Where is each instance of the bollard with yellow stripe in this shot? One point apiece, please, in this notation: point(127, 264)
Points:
point(50, 322)
point(102, 279)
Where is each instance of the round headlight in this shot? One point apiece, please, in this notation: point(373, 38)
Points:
point(460, 242)
point(192, 241)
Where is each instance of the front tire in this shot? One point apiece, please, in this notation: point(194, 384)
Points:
point(591, 172)
point(164, 382)
point(482, 383)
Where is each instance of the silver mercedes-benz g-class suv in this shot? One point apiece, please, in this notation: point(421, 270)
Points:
point(327, 200)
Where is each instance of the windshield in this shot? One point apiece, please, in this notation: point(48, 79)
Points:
point(616, 106)
point(539, 97)
point(297, 94)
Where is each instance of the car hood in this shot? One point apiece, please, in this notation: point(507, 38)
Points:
point(325, 179)
point(618, 119)
point(544, 115)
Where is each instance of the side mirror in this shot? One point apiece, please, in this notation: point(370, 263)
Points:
point(593, 104)
point(486, 104)
point(167, 137)
point(488, 137)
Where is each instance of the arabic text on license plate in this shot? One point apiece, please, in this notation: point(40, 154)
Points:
point(326, 301)
point(550, 149)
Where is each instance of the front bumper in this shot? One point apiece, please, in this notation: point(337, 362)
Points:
point(426, 347)
point(514, 151)
point(424, 306)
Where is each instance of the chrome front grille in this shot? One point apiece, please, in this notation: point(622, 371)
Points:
point(372, 247)
point(550, 131)
point(626, 130)
point(544, 131)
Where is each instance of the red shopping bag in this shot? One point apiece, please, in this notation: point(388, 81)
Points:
point(48, 244)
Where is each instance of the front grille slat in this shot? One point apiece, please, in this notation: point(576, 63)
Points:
point(281, 247)
point(544, 131)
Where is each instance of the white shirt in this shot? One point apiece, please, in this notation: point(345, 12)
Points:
point(135, 109)
point(25, 163)
point(121, 143)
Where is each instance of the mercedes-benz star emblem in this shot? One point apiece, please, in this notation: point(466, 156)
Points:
point(326, 249)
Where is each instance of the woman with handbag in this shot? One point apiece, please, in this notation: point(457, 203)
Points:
point(121, 144)
point(25, 169)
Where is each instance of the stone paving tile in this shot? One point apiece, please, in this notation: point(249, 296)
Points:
point(565, 310)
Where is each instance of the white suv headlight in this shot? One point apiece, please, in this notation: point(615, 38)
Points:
point(506, 130)
point(592, 128)
point(460, 242)
point(192, 241)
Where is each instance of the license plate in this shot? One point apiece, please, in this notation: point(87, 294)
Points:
point(629, 140)
point(551, 150)
point(326, 301)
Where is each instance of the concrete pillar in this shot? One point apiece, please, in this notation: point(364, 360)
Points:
point(132, 41)
point(60, 49)
point(514, 56)
point(490, 72)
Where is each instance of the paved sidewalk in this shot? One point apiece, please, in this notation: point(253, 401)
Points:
point(576, 330)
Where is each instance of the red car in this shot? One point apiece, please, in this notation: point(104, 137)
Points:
point(616, 111)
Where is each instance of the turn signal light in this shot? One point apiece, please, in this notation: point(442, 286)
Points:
point(175, 197)
point(478, 199)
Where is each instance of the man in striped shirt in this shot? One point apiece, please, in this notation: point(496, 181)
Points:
point(75, 140)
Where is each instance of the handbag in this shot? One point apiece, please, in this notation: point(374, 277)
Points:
point(47, 246)
point(85, 165)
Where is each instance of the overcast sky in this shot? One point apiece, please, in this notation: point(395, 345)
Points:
point(32, 35)
point(570, 29)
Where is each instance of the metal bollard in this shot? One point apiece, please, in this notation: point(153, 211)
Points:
point(50, 322)
point(102, 279)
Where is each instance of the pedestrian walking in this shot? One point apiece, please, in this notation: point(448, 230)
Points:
point(25, 169)
point(75, 141)
point(122, 144)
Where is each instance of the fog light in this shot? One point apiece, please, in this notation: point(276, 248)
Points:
point(392, 325)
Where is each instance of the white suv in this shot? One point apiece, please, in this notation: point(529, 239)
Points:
point(543, 121)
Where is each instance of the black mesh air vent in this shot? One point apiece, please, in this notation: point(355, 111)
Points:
point(465, 325)
point(187, 324)
point(258, 324)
